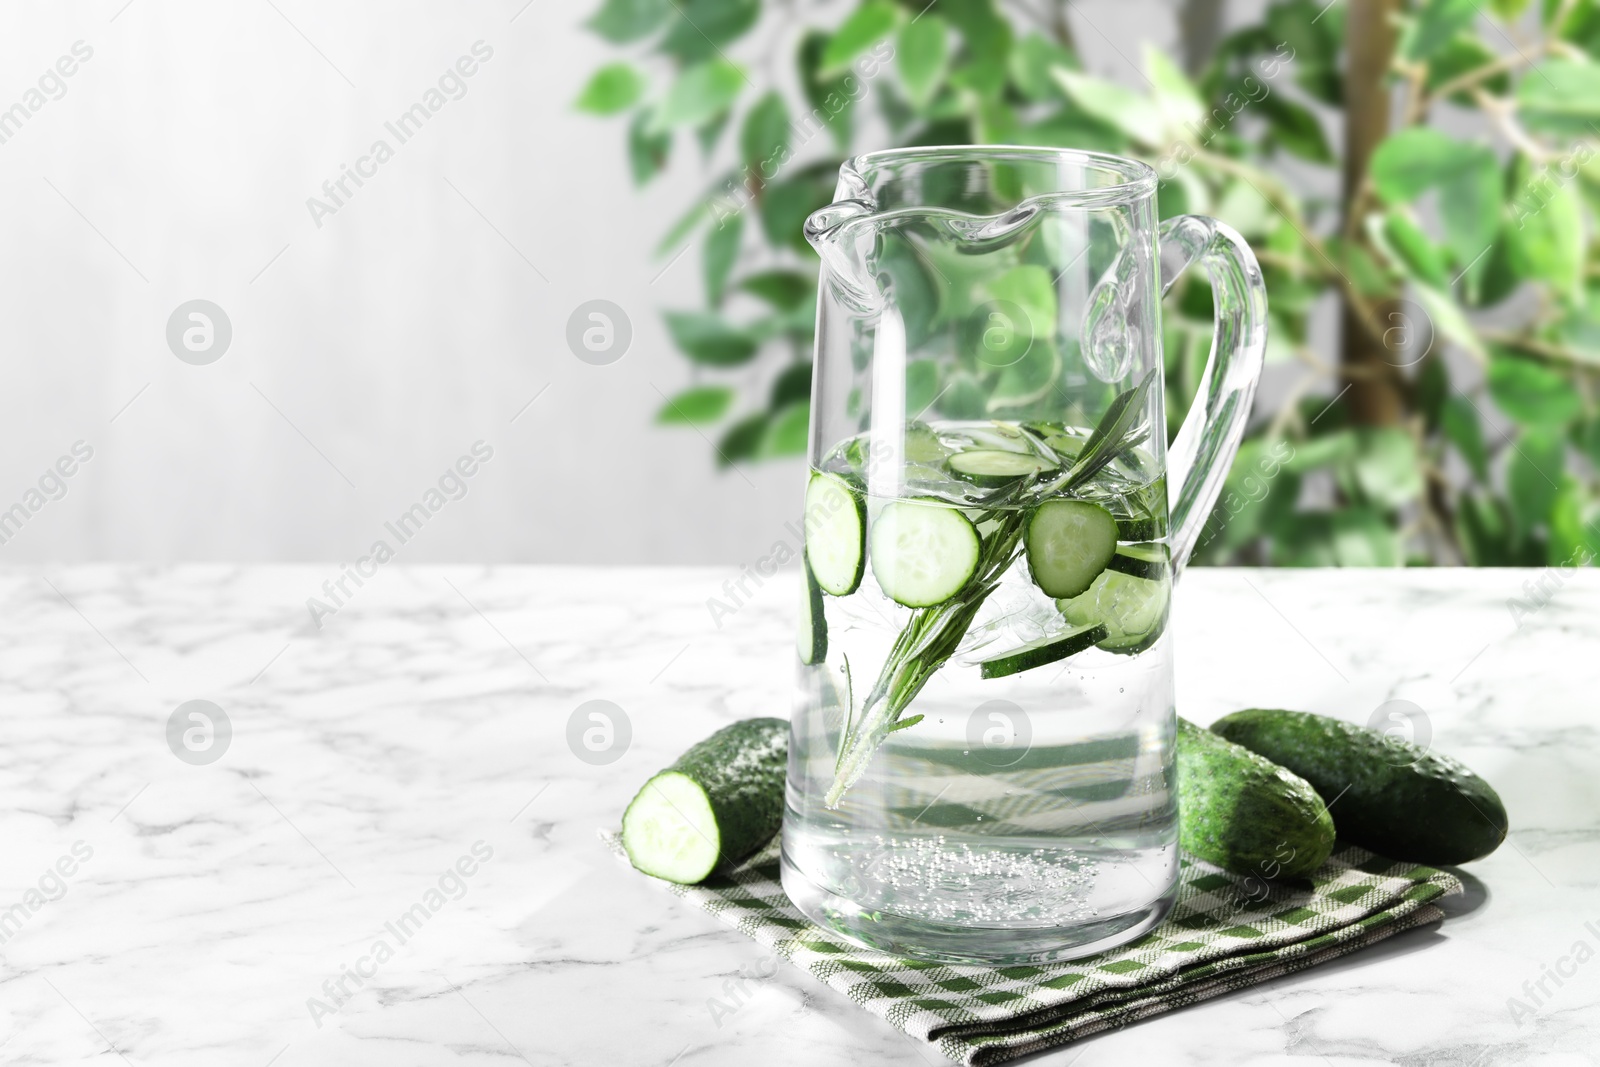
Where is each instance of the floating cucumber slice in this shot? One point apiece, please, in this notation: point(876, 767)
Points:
point(1133, 610)
point(923, 445)
point(811, 632)
point(1141, 561)
point(1136, 529)
point(990, 468)
point(836, 524)
point(720, 801)
point(1068, 543)
point(923, 551)
point(1044, 650)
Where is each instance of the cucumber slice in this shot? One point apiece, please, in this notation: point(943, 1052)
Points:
point(721, 801)
point(1044, 650)
point(1133, 610)
point(985, 467)
point(1141, 561)
point(836, 526)
point(923, 551)
point(811, 631)
point(1068, 543)
point(1136, 529)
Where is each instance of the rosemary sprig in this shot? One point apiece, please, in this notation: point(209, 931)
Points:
point(933, 634)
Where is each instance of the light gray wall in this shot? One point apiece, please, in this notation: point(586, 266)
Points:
point(371, 352)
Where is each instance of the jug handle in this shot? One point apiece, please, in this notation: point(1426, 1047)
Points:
point(1199, 457)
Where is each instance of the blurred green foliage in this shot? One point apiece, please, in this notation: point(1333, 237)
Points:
point(1466, 262)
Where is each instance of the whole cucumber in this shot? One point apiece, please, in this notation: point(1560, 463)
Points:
point(1245, 813)
point(1389, 796)
point(721, 801)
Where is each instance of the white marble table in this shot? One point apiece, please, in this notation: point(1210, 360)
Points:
point(208, 904)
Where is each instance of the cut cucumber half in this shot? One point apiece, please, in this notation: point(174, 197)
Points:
point(1133, 610)
point(1141, 561)
point(811, 631)
point(1068, 543)
point(1044, 650)
point(985, 467)
point(836, 526)
point(923, 551)
point(721, 801)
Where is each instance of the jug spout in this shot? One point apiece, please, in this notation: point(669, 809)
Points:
point(842, 233)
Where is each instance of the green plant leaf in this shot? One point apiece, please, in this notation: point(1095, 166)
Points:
point(1354, 537)
point(1324, 451)
point(1462, 427)
point(922, 54)
point(1545, 229)
point(614, 87)
point(785, 205)
point(1410, 162)
point(1314, 33)
point(765, 136)
point(647, 151)
point(701, 93)
point(626, 21)
point(867, 25)
point(1032, 60)
point(783, 289)
point(1574, 526)
point(831, 102)
point(708, 133)
point(1123, 109)
point(787, 432)
point(792, 386)
point(701, 27)
point(922, 386)
point(1435, 26)
point(1561, 97)
point(1469, 208)
point(742, 440)
point(1175, 96)
point(721, 250)
point(987, 36)
point(1531, 393)
point(707, 338)
point(1533, 477)
point(696, 406)
point(1411, 246)
point(1295, 129)
point(1508, 10)
point(1386, 469)
point(1030, 288)
point(1462, 54)
point(1485, 528)
point(1448, 319)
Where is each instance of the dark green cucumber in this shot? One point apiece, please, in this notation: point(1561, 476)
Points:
point(1244, 813)
point(1141, 561)
point(811, 628)
point(1044, 650)
point(1389, 796)
point(1136, 530)
point(721, 801)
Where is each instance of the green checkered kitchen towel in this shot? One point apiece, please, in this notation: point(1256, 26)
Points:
point(1222, 935)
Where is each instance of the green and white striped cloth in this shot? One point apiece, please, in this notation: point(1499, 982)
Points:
point(1220, 936)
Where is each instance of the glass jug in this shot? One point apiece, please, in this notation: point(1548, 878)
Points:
point(981, 751)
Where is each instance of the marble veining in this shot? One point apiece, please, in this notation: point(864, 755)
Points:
point(394, 860)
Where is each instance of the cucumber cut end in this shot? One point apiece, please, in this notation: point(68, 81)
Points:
point(835, 524)
point(1068, 543)
point(923, 552)
point(670, 831)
